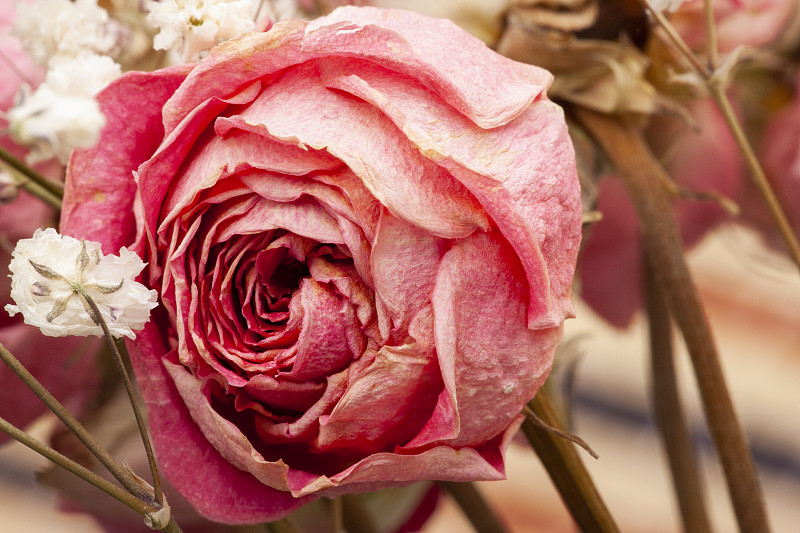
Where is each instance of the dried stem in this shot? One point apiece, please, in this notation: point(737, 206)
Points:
point(717, 89)
point(73, 425)
point(82, 472)
point(284, 525)
point(126, 379)
point(628, 151)
point(669, 415)
point(336, 514)
point(56, 189)
point(533, 417)
point(41, 193)
point(355, 517)
point(477, 510)
point(566, 469)
point(711, 34)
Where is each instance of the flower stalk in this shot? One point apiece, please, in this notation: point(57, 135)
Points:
point(716, 86)
point(669, 414)
point(97, 317)
point(74, 425)
point(639, 169)
point(55, 189)
point(472, 503)
point(566, 470)
point(84, 473)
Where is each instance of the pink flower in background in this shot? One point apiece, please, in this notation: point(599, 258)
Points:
point(706, 161)
point(50, 360)
point(363, 229)
point(739, 22)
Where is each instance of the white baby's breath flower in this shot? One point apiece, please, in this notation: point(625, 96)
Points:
point(62, 114)
point(47, 272)
point(52, 125)
point(54, 30)
point(195, 26)
point(278, 10)
point(83, 75)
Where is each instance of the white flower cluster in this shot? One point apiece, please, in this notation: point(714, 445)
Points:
point(194, 26)
point(277, 10)
point(47, 271)
point(73, 39)
point(58, 30)
point(62, 114)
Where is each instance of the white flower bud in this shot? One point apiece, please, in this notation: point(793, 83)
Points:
point(49, 269)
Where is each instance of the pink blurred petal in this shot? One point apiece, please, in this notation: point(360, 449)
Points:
point(611, 264)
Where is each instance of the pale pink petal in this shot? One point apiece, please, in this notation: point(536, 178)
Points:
point(297, 108)
point(448, 61)
point(405, 260)
point(387, 404)
point(236, 63)
point(484, 462)
point(524, 175)
point(491, 363)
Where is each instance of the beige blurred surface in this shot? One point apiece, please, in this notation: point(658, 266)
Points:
point(753, 300)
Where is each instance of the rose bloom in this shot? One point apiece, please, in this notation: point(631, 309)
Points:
point(52, 361)
point(363, 230)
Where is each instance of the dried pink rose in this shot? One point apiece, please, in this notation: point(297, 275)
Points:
point(363, 229)
point(50, 360)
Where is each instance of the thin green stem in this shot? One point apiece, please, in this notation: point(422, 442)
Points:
point(82, 472)
point(126, 379)
point(56, 189)
point(566, 470)
point(669, 414)
point(73, 425)
point(474, 506)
